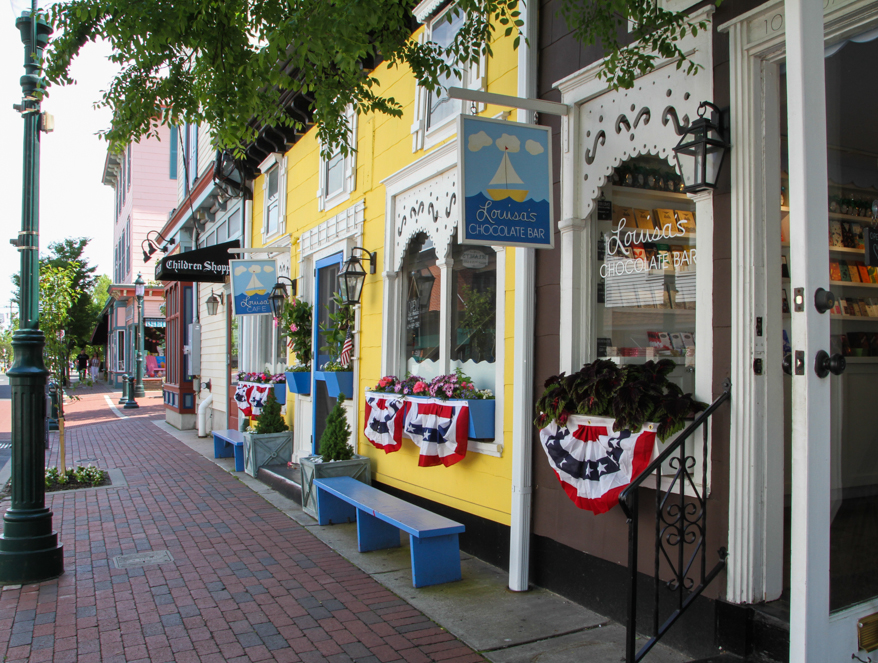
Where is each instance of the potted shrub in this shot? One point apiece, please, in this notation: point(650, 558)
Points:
point(270, 442)
point(337, 373)
point(598, 426)
point(336, 458)
point(295, 325)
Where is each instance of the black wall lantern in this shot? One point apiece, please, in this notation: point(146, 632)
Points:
point(152, 245)
point(352, 275)
point(279, 295)
point(213, 302)
point(701, 151)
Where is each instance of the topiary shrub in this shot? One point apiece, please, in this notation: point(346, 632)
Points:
point(334, 441)
point(270, 420)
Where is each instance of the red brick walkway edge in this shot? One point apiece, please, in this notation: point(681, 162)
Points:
point(246, 582)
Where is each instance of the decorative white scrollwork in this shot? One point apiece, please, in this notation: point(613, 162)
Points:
point(431, 208)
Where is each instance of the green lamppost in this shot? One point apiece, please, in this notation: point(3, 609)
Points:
point(29, 547)
point(138, 292)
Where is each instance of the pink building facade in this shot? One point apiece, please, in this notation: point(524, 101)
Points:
point(144, 181)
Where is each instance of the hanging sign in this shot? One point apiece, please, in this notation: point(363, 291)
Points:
point(413, 314)
point(252, 281)
point(505, 182)
point(207, 265)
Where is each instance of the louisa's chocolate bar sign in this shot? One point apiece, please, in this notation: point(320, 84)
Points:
point(870, 239)
point(637, 227)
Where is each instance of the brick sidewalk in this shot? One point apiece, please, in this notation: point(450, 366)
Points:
point(246, 582)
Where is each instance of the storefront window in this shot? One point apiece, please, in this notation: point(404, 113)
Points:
point(647, 279)
point(422, 303)
point(474, 313)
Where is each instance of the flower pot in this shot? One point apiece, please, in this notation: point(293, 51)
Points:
point(280, 393)
point(358, 467)
point(267, 449)
point(481, 418)
point(339, 382)
point(299, 382)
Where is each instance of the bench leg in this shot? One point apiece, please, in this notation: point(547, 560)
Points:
point(239, 458)
point(219, 448)
point(435, 560)
point(374, 534)
point(332, 509)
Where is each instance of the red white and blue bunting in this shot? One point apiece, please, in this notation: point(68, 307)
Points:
point(250, 397)
point(385, 418)
point(594, 463)
point(439, 428)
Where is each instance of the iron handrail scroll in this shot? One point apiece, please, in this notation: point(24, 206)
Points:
point(680, 531)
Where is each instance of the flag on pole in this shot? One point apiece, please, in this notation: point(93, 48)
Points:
point(347, 349)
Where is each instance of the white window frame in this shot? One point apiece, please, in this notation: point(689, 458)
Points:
point(473, 78)
point(425, 175)
point(326, 200)
point(279, 161)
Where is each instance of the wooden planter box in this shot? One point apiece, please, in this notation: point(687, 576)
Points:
point(299, 382)
point(359, 468)
point(338, 382)
point(270, 449)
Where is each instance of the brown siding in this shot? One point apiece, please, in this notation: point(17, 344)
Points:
point(555, 516)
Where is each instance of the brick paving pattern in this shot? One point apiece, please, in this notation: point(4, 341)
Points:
point(246, 583)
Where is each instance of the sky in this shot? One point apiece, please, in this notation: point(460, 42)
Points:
point(73, 202)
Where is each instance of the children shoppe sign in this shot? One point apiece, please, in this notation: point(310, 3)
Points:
point(207, 265)
point(506, 183)
point(252, 281)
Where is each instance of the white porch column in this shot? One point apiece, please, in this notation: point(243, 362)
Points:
point(806, 118)
point(572, 332)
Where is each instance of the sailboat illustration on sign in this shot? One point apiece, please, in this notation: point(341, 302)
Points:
point(255, 287)
point(505, 176)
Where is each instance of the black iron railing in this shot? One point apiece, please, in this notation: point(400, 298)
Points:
point(680, 533)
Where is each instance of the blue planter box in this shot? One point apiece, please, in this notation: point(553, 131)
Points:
point(280, 393)
point(299, 382)
point(338, 383)
point(481, 419)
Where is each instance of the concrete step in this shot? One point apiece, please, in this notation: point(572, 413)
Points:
point(287, 480)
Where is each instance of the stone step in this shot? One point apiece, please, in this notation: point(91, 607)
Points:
point(287, 480)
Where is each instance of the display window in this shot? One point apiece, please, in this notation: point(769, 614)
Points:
point(647, 277)
point(469, 313)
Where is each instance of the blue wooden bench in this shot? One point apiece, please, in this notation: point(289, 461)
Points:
point(228, 443)
point(434, 543)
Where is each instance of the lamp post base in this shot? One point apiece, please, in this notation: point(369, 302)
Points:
point(29, 549)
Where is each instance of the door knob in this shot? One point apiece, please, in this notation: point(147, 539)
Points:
point(823, 300)
point(824, 364)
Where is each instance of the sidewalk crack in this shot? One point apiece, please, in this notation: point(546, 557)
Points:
point(554, 636)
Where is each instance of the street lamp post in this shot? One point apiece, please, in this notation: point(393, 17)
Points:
point(138, 291)
point(29, 547)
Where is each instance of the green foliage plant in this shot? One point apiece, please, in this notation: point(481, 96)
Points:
point(478, 320)
point(56, 298)
point(78, 477)
point(334, 443)
point(270, 421)
point(341, 318)
point(632, 394)
point(295, 325)
point(233, 64)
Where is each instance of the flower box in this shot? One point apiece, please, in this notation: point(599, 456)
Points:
point(267, 449)
point(280, 393)
point(337, 382)
point(481, 418)
point(299, 382)
point(358, 467)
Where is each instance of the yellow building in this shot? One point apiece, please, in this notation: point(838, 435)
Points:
point(396, 196)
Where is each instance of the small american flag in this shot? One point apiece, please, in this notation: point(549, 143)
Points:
point(347, 349)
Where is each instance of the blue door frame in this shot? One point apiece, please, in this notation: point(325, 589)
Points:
point(318, 360)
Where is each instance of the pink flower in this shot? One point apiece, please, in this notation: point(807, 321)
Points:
point(420, 387)
point(383, 382)
point(398, 388)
